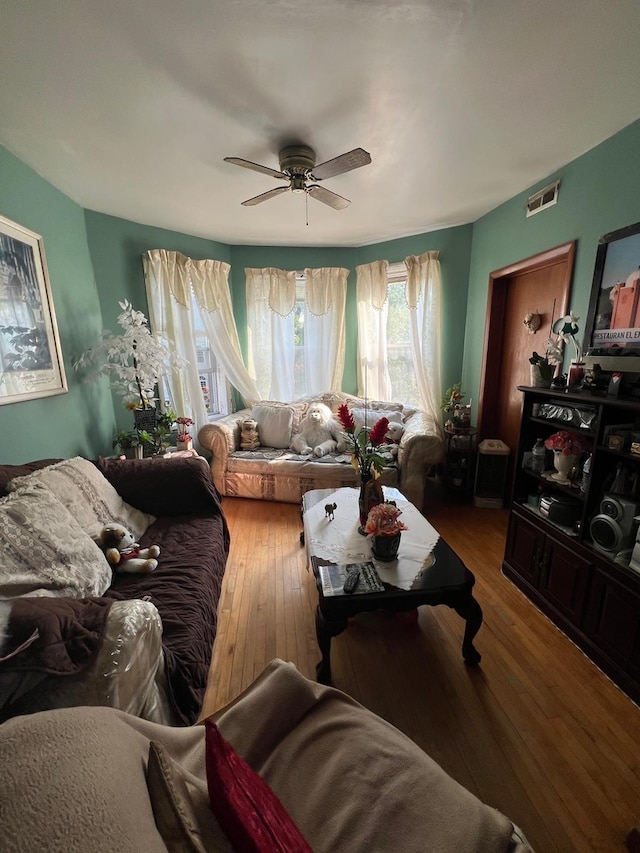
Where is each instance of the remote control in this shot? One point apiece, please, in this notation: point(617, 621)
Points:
point(351, 581)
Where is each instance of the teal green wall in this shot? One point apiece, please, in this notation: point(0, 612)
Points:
point(79, 422)
point(599, 193)
point(95, 261)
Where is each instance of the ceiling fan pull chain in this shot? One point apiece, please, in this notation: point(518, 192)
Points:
point(306, 206)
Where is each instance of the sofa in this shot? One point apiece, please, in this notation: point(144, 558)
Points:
point(289, 765)
point(79, 633)
point(273, 472)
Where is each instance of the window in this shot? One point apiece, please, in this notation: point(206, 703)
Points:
point(213, 382)
point(402, 374)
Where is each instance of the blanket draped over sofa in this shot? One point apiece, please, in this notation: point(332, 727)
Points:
point(178, 602)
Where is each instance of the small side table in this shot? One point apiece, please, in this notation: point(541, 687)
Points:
point(460, 461)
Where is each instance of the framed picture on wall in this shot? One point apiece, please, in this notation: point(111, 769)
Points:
point(31, 363)
point(613, 322)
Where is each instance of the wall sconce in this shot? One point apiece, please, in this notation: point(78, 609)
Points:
point(532, 322)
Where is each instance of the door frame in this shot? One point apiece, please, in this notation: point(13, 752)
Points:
point(494, 323)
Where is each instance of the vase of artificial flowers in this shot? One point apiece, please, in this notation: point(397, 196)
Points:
point(383, 523)
point(366, 459)
point(134, 360)
point(567, 448)
point(183, 439)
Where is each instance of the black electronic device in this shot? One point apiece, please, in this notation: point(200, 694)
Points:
point(351, 581)
point(614, 527)
point(560, 509)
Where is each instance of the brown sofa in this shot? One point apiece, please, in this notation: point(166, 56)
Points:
point(143, 644)
point(349, 780)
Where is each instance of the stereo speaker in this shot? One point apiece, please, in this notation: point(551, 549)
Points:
point(614, 527)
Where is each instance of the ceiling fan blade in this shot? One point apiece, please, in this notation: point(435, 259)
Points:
point(256, 167)
point(337, 202)
point(257, 199)
point(344, 163)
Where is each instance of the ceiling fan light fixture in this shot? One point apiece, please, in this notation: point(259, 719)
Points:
point(296, 165)
point(298, 184)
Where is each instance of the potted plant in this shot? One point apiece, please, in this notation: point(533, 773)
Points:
point(451, 404)
point(383, 523)
point(129, 442)
point(183, 439)
point(567, 448)
point(543, 367)
point(133, 360)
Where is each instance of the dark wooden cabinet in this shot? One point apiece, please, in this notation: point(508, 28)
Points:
point(563, 562)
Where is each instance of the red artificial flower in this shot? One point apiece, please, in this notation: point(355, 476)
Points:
point(568, 443)
point(346, 418)
point(378, 432)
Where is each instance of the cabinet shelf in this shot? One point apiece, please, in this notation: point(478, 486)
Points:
point(578, 577)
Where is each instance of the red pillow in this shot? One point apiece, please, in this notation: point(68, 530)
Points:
point(248, 811)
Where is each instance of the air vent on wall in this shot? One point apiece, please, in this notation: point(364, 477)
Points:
point(542, 199)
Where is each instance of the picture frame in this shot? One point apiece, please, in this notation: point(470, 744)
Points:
point(612, 331)
point(31, 364)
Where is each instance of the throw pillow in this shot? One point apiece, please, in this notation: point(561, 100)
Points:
point(88, 496)
point(175, 812)
point(247, 809)
point(373, 415)
point(44, 549)
point(275, 424)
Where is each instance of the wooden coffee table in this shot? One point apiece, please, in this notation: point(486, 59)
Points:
point(441, 579)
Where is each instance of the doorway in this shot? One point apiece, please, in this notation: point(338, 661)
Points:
point(530, 286)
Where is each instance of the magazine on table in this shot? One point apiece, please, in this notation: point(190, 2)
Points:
point(333, 577)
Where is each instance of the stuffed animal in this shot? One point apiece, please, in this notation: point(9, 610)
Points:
point(320, 433)
point(123, 553)
point(392, 437)
point(249, 438)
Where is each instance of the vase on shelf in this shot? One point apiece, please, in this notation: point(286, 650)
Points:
point(371, 495)
point(537, 379)
point(563, 463)
point(385, 548)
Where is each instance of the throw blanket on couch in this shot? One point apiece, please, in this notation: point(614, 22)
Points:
point(185, 588)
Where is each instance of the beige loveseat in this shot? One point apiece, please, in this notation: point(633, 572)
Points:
point(273, 472)
point(83, 779)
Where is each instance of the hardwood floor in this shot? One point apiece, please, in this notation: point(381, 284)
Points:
point(536, 731)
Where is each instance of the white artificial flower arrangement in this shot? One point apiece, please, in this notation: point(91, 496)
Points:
point(133, 360)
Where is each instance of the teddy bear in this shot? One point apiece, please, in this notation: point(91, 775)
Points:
point(320, 433)
point(123, 553)
point(392, 437)
point(249, 438)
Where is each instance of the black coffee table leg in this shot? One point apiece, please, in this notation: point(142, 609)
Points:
point(325, 630)
point(469, 609)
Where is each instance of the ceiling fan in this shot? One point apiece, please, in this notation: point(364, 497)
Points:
point(298, 166)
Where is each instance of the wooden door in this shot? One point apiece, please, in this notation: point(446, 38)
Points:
point(529, 286)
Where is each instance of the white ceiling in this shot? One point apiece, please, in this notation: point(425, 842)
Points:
point(130, 107)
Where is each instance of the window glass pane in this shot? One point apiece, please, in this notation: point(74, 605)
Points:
point(399, 356)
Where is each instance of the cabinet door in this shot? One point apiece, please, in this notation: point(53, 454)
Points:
point(525, 548)
point(613, 619)
point(564, 579)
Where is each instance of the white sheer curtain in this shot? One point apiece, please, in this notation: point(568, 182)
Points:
point(171, 279)
point(271, 300)
point(424, 297)
point(371, 296)
point(325, 328)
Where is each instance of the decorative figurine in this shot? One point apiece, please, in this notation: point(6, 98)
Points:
point(329, 509)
